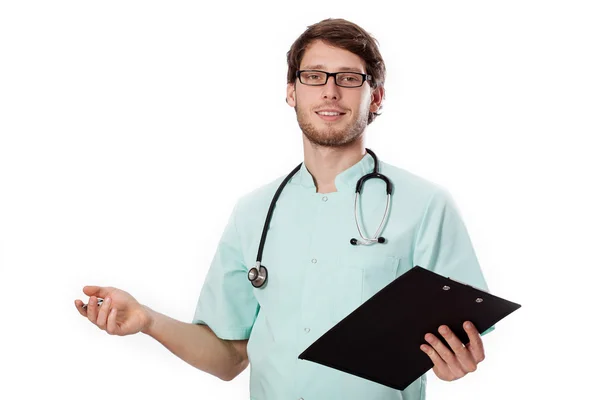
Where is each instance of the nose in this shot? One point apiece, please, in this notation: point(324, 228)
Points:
point(331, 90)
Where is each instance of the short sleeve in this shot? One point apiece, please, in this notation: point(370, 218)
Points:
point(443, 244)
point(227, 303)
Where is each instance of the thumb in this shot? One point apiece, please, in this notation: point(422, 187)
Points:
point(97, 291)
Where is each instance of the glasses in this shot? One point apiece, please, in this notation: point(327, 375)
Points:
point(344, 79)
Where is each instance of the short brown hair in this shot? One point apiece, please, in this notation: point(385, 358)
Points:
point(345, 35)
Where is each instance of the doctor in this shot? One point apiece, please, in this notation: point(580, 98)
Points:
point(310, 274)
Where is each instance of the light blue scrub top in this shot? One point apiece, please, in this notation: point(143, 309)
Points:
point(316, 277)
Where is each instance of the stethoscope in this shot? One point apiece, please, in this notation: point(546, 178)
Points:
point(258, 275)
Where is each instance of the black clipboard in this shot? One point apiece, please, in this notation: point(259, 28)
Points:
point(380, 340)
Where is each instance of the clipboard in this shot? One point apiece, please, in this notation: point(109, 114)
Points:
point(380, 340)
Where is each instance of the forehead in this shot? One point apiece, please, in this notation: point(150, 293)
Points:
point(319, 55)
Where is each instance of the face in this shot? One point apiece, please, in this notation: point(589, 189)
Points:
point(352, 104)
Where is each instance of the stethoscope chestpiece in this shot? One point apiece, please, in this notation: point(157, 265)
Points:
point(258, 276)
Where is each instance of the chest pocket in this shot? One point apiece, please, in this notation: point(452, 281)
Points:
point(356, 282)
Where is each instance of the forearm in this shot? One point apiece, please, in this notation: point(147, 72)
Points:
point(197, 345)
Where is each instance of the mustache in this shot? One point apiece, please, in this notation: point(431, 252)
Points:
point(331, 105)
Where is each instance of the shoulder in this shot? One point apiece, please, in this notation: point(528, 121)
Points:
point(257, 201)
point(407, 183)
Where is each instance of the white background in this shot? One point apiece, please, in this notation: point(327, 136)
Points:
point(128, 130)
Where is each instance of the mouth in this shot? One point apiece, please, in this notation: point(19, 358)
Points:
point(330, 115)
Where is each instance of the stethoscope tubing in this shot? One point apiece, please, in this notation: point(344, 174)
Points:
point(258, 275)
point(375, 238)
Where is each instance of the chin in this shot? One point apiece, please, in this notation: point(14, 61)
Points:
point(339, 133)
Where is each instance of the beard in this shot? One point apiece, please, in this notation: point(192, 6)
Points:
point(330, 136)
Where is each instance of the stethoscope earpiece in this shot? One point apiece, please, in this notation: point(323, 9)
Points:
point(388, 189)
point(355, 242)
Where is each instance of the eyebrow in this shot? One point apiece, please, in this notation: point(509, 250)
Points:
point(321, 66)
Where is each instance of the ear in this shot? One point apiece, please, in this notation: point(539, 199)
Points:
point(377, 96)
point(290, 98)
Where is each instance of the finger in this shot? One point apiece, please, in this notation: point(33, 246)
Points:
point(98, 291)
point(111, 326)
point(438, 362)
point(79, 306)
point(463, 355)
point(98, 303)
point(446, 354)
point(103, 313)
point(475, 345)
point(442, 350)
point(92, 309)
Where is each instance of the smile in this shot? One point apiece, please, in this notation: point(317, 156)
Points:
point(330, 115)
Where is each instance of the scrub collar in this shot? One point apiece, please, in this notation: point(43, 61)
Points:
point(344, 181)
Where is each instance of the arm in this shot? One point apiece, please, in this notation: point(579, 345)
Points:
point(198, 345)
point(444, 246)
point(121, 314)
point(216, 340)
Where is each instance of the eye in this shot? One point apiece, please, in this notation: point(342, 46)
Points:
point(350, 78)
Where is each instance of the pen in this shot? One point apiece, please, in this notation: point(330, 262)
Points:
point(99, 303)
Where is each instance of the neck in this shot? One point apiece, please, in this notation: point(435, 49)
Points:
point(325, 163)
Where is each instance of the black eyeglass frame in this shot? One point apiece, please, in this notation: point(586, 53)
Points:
point(365, 77)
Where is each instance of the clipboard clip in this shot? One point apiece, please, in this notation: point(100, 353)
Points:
point(446, 288)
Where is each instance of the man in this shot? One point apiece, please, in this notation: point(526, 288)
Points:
point(316, 277)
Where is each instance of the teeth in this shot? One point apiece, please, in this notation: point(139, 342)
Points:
point(328, 113)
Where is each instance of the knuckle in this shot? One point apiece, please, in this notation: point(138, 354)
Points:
point(456, 372)
point(449, 354)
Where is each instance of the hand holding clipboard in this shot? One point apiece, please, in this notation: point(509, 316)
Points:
point(381, 340)
point(457, 360)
